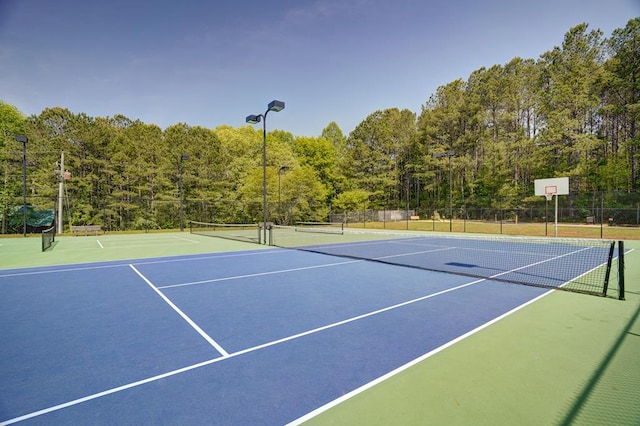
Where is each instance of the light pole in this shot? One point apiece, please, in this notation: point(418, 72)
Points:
point(24, 140)
point(280, 170)
point(182, 158)
point(450, 153)
point(275, 106)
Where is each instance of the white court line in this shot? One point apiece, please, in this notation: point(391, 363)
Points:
point(182, 314)
point(108, 392)
point(188, 240)
point(413, 253)
point(53, 271)
point(100, 244)
point(121, 263)
point(286, 339)
point(222, 255)
point(259, 274)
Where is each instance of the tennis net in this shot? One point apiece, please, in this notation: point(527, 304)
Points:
point(48, 237)
point(232, 231)
point(320, 227)
point(579, 265)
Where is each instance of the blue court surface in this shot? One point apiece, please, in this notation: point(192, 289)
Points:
point(252, 337)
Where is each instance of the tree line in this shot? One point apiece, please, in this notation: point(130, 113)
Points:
point(574, 111)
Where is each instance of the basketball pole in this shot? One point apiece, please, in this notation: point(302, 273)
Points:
point(546, 217)
point(555, 229)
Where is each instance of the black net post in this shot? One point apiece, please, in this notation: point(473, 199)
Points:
point(48, 237)
point(621, 270)
point(608, 270)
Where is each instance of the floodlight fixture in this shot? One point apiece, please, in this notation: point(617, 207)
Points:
point(253, 119)
point(449, 153)
point(275, 106)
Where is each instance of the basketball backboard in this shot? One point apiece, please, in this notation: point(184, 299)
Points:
point(552, 186)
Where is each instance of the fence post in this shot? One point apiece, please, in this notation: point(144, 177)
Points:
point(601, 213)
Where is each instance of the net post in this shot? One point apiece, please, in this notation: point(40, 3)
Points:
point(264, 233)
point(48, 237)
point(621, 270)
point(607, 274)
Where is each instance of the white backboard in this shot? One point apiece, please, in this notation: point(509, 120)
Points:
point(557, 186)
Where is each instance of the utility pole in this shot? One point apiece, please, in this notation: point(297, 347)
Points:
point(61, 193)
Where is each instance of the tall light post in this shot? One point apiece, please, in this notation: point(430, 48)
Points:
point(280, 170)
point(182, 158)
point(450, 153)
point(275, 106)
point(23, 139)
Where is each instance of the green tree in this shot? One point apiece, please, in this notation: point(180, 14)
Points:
point(445, 124)
point(621, 95)
point(304, 196)
point(319, 154)
point(334, 135)
point(378, 151)
point(12, 122)
point(301, 195)
point(570, 102)
point(350, 201)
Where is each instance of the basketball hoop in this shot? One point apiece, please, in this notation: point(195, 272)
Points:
point(550, 191)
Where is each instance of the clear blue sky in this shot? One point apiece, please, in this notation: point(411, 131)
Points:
point(214, 62)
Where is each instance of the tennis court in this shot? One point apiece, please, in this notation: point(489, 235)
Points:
point(251, 335)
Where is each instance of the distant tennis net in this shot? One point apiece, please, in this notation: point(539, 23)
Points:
point(320, 227)
point(579, 265)
point(48, 237)
point(231, 231)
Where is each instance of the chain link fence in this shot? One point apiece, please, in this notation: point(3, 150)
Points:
point(614, 208)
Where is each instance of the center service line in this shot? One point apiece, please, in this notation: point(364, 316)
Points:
point(183, 315)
